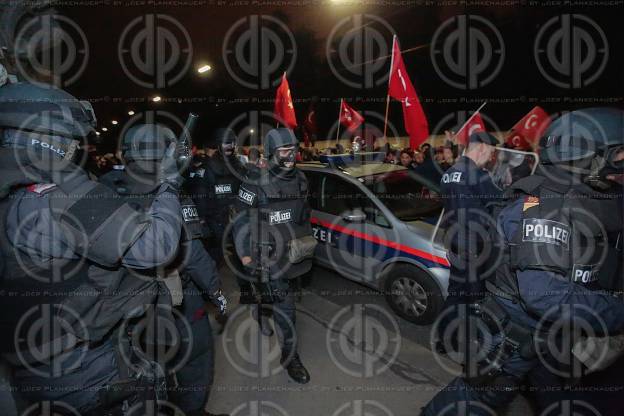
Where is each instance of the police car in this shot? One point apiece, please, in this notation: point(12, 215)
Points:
point(378, 224)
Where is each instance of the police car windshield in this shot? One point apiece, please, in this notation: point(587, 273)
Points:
point(406, 194)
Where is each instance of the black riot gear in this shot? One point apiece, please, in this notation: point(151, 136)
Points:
point(48, 111)
point(214, 188)
point(226, 140)
point(146, 142)
point(73, 241)
point(47, 122)
point(586, 140)
point(273, 239)
point(281, 138)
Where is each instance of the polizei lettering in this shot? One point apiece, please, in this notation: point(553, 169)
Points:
point(245, 196)
point(539, 230)
point(46, 145)
point(280, 217)
point(189, 213)
point(223, 189)
point(584, 273)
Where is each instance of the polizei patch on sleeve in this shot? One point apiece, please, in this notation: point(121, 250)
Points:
point(585, 273)
point(539, 230)
point(189, 213)
point(225, 188)
point(280, 217)
point(246, 196)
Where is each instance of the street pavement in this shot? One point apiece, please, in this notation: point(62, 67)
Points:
point(363, 359)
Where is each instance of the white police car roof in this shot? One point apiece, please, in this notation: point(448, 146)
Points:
point(357, 169)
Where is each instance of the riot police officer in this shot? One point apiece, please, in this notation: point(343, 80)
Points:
point(551, 253)
point(66, 250)
point(192, 277)
point(273, 238)
point(215, 189)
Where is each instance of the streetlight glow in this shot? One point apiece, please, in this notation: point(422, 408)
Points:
point(156, 99)
point(114, 122)
point(130, 113)
point(104, 129)
point(204, 69)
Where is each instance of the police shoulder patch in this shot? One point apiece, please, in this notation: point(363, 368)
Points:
point(246, 196)
point(530, 202)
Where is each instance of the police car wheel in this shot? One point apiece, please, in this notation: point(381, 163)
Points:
point(412, 294)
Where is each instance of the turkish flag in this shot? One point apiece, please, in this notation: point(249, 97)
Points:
point(284, 111)
point(473, 125)
point(309, 127)
point(400, 88)
point(525, 134)
point(350, 118)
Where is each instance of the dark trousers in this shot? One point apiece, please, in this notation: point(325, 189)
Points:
point(284, 315)
point(196, 374)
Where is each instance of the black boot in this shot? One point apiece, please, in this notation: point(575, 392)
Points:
point(295, 368)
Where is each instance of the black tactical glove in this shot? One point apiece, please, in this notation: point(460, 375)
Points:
point(169, 172)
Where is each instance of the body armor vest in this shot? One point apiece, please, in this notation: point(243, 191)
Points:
point(557, 232)
point(222, 187)
point(283, 217)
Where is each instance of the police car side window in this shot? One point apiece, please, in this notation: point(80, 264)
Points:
point(339, 196)
point(314, 189)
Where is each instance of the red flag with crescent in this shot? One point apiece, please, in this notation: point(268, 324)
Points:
point(525, 134)
point(473, 125)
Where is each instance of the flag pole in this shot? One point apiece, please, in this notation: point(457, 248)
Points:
point(339, 112)
point(388, 95)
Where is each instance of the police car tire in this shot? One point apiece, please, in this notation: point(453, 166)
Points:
point(435, 300)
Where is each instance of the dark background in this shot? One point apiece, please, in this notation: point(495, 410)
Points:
point(517, 88)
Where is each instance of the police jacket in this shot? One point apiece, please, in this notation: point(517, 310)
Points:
point(467, 191)
point(273, 212)
point(553, 249)
point(215, 187)
point(190, 259)
point(66, 248)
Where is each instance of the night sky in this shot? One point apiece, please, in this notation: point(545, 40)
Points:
point(517, 83)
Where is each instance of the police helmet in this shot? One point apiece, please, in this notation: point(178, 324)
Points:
point(224, 136)
point(277, 138)
point(146, 142)
point(582, 134)
point(47, 111)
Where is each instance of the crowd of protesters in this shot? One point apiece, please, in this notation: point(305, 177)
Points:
point(428, 161)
